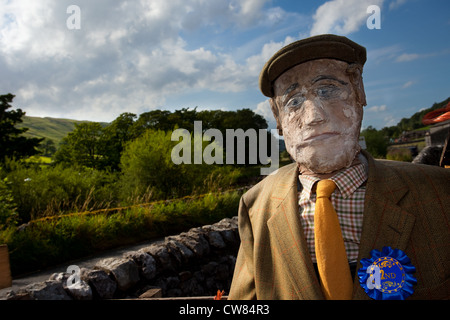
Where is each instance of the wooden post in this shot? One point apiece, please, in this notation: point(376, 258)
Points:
point(5, 269)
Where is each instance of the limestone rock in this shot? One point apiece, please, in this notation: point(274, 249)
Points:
point(102, 285)
point(178, 249)
point(80, 290)
point(145, 262)
point(47, 290)
point(195, 240)
point(215, 239)
point(162, 256)
point(125, 271)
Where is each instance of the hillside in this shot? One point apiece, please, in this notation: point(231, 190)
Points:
point(414, 122)
point(49, 128)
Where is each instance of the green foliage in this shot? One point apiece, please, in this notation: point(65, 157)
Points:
point(376, 142)
point(147, 167)
point(400, 154)
point(47, 147)
point(48, 191)
point(82, 146)
point(8, 213)
point(146, 164)
point(114, 138)
point(48, 242)
point(12, 143)
point(95, 146)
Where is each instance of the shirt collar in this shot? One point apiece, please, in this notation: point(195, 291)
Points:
point(347, 181)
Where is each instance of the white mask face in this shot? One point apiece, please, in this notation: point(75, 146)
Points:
point(319, 114)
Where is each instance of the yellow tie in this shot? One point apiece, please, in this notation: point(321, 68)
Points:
point(334, 270)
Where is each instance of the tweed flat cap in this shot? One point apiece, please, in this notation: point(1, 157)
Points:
point(318, 47)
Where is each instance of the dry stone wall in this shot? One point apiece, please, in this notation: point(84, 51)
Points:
point(194, 263)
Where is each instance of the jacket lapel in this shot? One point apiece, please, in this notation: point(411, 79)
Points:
point(287, 236)
point(385, 222)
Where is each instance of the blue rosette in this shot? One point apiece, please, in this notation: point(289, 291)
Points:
point(387, 275)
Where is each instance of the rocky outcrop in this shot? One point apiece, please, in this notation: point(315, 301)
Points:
point(194, 263)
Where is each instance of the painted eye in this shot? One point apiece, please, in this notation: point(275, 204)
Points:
point(295, 101)
point(327, 92)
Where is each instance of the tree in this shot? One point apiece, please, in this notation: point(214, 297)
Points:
point(12, 143)
point(376, 142)
point(8, 212)
point(114, 138)
point(147, 166)
point(48, 147)
point(82, 146)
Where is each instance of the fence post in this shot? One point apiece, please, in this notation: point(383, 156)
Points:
point(5, 269)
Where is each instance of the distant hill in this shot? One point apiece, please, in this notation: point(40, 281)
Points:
point(49, 128)
point(414, 122)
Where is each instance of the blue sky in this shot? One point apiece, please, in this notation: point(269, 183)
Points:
point(136, 56)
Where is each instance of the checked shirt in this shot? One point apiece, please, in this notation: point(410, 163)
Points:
point(348, 201)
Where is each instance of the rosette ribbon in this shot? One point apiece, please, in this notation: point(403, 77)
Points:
point(387, 275)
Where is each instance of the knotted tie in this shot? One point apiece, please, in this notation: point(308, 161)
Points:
point(334, 270)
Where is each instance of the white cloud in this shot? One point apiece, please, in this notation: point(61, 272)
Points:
point(263, 109)
point(406, 57)
point(341, 16)
point(382, 54)
point(396, 4)
point(377, 108)
point(390, 121)
point(127, 56)
point(407, 84)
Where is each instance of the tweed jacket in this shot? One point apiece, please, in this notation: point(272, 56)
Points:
point(407, 207)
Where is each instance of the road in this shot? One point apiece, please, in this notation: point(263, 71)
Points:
point(87, 262)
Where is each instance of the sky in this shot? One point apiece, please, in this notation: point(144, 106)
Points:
point(102, 58)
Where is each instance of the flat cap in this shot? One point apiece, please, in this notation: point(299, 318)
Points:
point(326, 46)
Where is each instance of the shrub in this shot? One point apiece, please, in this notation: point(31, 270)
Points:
point(400, 154)
point(147, 168)
point(8, 213)
point(48, 191)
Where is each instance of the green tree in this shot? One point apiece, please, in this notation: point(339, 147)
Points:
point(148, 169)
point(48, 147)
point(155, 119)
point(12, 143)
point(147, 166)
point(114, 138)
point(376, 142)
point(82, 146)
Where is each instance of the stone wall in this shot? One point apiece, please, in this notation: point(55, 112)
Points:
point(195, 263)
